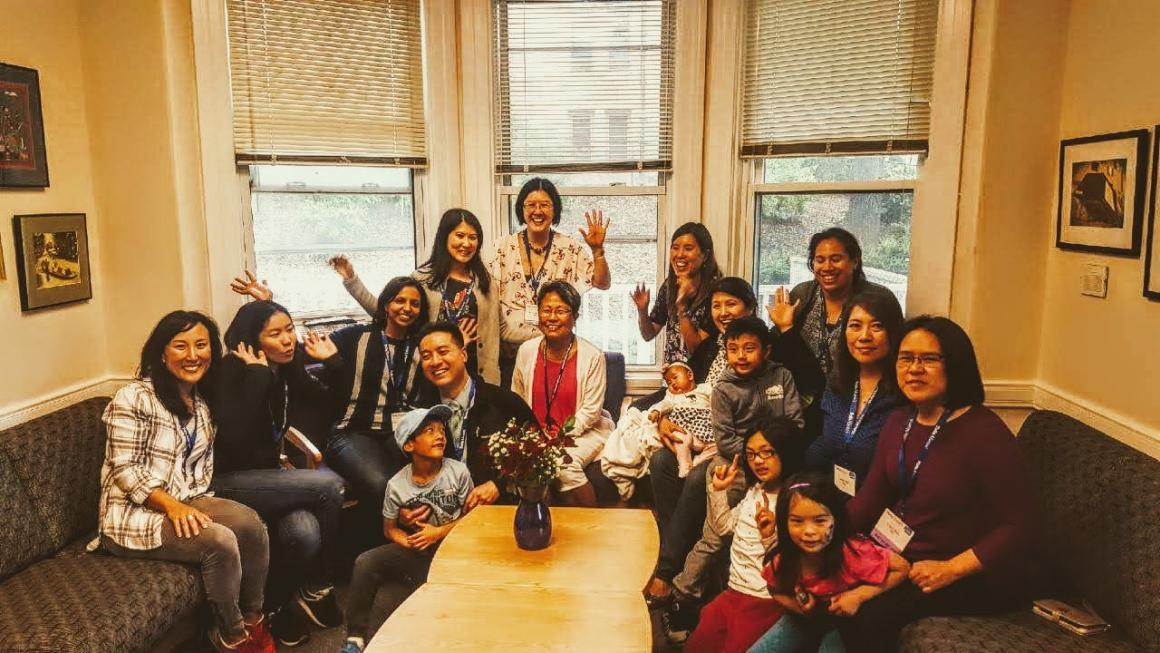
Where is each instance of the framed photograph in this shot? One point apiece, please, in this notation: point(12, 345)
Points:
point(52, 259)
point(1152, 253)
point(1101, 193)
point(22, 159)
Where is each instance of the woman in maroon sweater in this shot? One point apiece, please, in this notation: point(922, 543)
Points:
point(962, 489)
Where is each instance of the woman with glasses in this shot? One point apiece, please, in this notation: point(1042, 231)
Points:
point(561, 376)
point(947, 490)
point(530, 258)
point(808, 318)
point(862, 390)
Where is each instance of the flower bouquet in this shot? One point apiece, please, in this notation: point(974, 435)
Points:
point(529, 457)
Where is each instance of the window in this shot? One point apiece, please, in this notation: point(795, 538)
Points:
point(835, 122)
point(633, 203)
point(303, 215)
point(584, 94)
point(796, 197)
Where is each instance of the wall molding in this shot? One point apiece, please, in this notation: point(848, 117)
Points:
point(1044, 396)
point(104, 387)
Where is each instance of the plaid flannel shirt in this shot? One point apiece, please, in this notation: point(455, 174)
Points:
point(146, 451)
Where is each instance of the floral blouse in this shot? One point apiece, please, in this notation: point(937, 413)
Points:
point(569, 260)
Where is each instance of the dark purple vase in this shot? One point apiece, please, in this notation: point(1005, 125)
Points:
point(533, 525)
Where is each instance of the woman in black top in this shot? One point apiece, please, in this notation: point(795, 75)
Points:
point(807, 318)
point(258, 383)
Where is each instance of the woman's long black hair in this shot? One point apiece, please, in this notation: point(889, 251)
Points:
point(882, 306)
point(153, 368)
point(247, 326)
point(438, 266)
point(390, 292)
point(817, 487)
point(708, 273)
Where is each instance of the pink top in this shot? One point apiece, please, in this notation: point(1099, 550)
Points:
point(564, 401)
point(863, 563)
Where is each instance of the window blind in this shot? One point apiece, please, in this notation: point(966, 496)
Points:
point(841, 76)
point(583, 84)
point(317, 81)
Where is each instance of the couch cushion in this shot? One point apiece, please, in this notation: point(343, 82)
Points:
point(94, 603)
point(57, 458)
point(1100, 509)
point(1018, 631)
point(22, 539)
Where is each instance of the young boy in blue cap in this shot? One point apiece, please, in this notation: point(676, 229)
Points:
point(400, 566)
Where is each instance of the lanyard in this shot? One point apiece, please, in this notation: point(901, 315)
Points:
point(459, 440)
point(399, 377)
point(905, 486)
point(190, 438)
point(853, 423)
point(280, 427)
point(451, 312)
point(534, 280)
point(550, 396)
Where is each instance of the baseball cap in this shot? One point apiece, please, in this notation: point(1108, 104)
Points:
point(414, 420)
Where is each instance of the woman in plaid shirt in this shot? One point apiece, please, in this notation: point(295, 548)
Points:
point(157, 471)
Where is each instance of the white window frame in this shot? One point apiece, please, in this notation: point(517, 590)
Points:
point(251, 253)
point(755, 186)
point(642, 376)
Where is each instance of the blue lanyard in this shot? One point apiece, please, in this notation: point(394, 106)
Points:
point(534, 280)
point(448, 311)
point(280, 427)
point(190, 438)
point(853, 423)
point(399, 378)
point(906, 487)
point(459, 440)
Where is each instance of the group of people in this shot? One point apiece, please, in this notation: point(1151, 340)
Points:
point(840, 463)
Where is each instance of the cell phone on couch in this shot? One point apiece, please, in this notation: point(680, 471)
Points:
point(1076, 620)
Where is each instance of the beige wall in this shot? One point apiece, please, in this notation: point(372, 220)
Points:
point(46, 352)
point(120, 127)
point(1011, 135)
point(1105, 352)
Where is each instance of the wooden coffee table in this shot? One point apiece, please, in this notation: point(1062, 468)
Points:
point(583, 592)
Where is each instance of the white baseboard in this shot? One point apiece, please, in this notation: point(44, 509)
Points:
point(105, 387)
point(1039, 395)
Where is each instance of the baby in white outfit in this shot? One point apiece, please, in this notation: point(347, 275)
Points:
point(686, 404)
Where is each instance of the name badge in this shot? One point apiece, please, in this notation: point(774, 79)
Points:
point(845, 480)
point(395, 419)
point(891, 532)
point(532, 315)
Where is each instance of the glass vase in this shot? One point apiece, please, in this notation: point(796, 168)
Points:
point(533, 524)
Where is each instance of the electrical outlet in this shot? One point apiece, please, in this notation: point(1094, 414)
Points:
point(1094, 281)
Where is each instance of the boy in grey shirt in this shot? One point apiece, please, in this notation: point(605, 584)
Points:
point(437, 488)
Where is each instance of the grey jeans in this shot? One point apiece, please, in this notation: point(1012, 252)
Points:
point(691, 581)
point(233, 553)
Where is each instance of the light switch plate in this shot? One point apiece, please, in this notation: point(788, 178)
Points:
point(1094, 281)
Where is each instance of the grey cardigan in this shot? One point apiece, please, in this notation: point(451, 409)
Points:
point(489, 324)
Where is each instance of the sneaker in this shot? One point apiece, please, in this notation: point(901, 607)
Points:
point(350, 647)
point(679, 620)
point(289, 626)
point(321, 611)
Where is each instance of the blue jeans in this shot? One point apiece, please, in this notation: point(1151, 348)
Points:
point(367, 461)
point(680, 507)
point(301, 507)
point(791, 634)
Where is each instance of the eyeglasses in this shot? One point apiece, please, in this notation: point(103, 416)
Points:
point(542, 206)
point(559, 312)
point(925, 361)
point(764, 454)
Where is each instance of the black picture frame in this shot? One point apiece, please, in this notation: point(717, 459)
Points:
point(1151, 281)
point(52, 259)
point(23, 160)
point(1088, 216)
